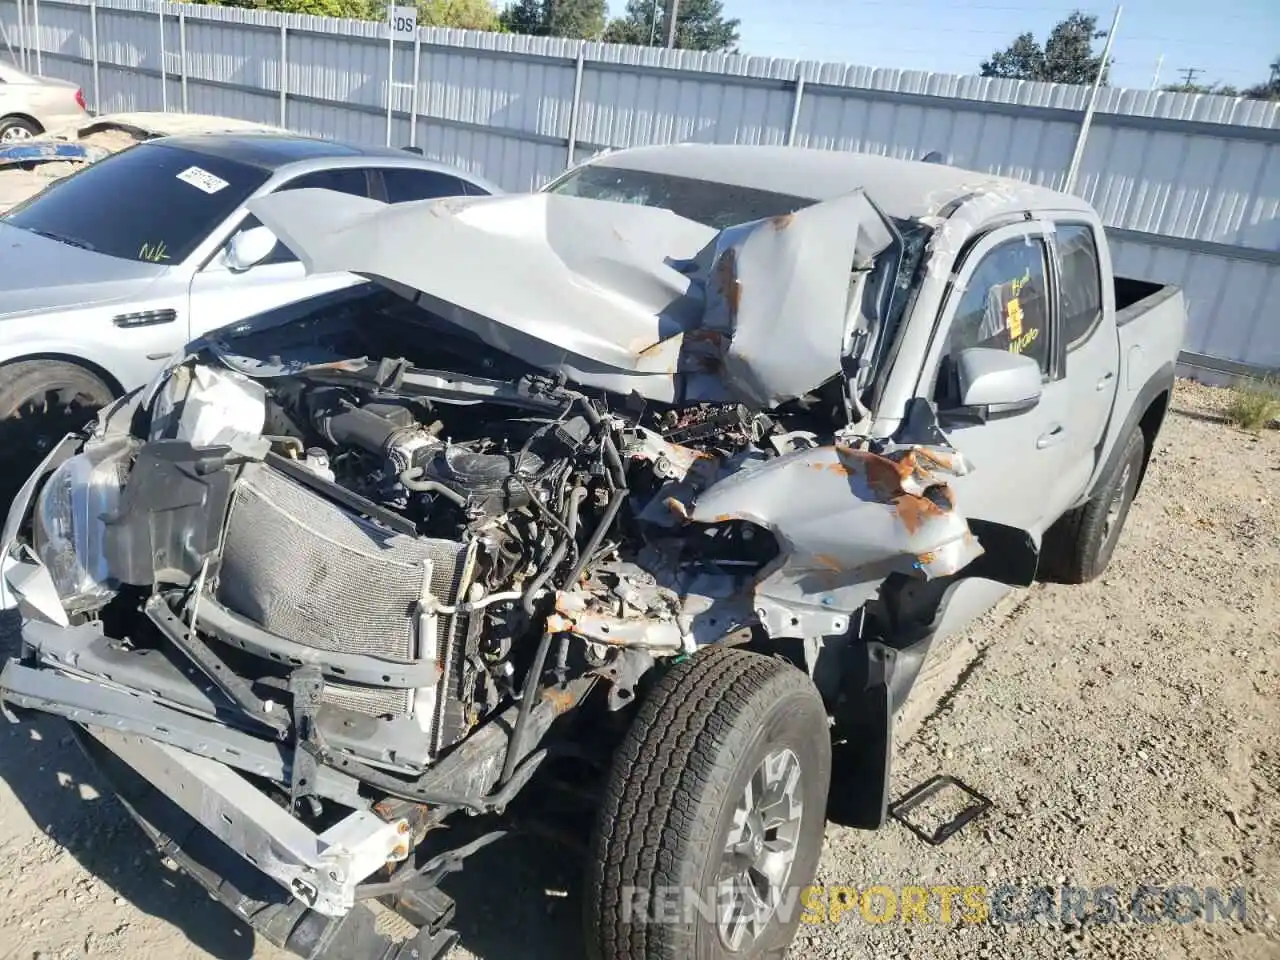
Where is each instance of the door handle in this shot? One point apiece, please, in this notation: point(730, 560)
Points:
point(1053, 436)
point(1106, 379)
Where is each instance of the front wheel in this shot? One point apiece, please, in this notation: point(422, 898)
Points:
point(41, 401)
point(714, 815)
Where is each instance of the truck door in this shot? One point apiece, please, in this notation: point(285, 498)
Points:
point(1003, 297)
point(1091, 350)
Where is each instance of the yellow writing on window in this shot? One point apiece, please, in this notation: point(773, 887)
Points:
point(154, 252)
point(1020, 343)
point(1022, 281)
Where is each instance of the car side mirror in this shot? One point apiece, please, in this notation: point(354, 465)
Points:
point(248, 248)
point(992, 383)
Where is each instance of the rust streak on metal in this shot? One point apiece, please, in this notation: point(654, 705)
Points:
point(561, 700)
point(828, 562)
point(915, 512)
point(782, 221)
point(727, 279)
point(651, 349)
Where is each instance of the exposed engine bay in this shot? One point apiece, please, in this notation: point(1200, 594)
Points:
point(372, 576)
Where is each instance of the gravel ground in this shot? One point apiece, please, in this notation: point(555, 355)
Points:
point(1126, 731)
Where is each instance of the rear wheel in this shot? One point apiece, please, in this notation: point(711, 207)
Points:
point(714, 815)
point(41, 401)
point(1079, 546)
point(14, 129)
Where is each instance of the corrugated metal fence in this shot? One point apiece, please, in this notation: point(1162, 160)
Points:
point(1189, 185)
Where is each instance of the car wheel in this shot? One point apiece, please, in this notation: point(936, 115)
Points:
point(1079, 546)
point(13, 129)
point(41, 401)
point(714, 815)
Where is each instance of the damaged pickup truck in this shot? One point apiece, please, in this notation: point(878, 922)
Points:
point(661, 482)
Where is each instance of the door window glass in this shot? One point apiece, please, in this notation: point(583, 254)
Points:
point(1081, 283)
point(1004, 304)
point(351, 180)
point(404, 184)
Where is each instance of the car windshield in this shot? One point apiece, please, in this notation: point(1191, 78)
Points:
point(150, 203)
point(717, 205)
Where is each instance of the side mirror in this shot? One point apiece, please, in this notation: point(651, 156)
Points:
point(248, 248)
point(993, 383)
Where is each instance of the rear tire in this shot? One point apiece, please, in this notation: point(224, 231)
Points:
point(15, 129)
point(41, 401)
point(1079, 546)
point(719, 790)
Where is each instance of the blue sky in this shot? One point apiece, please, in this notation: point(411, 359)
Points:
point(1230, 41)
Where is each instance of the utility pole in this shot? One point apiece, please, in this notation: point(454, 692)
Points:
point(673, 8)
point(1082, 138)
point(1190, 75)
point(1155, 79)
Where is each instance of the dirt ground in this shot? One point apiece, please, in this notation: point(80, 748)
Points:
point(1127, 733)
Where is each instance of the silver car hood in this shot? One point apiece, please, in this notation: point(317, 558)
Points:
point(38, 274)
point(621, 297)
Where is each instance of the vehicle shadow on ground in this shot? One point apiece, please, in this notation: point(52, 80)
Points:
point(519, 899)
point(67, 799)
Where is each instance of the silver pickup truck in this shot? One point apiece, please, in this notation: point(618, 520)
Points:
point(661, 482)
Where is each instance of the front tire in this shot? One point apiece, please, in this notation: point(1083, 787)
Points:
point(1079, 546)
point(714, 815)
point(41, 401)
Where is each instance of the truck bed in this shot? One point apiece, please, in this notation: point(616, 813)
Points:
point(1151, 321)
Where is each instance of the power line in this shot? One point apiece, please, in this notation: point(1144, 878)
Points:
point(1190, 74)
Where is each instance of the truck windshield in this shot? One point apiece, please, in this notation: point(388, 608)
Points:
point(150, 203)
point(717, 205)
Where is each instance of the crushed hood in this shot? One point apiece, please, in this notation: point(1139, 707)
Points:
point(622, 297)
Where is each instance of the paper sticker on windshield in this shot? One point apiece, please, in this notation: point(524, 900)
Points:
point(202, 180)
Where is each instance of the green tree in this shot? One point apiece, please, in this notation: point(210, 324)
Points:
point(465, 14)
point(1269, 90)
point(1219, 89)
point(524, 16)
point(580, 19)
point(700, 25)
point(1066, 57)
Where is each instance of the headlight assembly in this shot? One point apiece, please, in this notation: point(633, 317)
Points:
point(70, 527)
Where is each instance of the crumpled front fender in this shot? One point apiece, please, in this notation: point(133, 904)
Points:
point(844, 520)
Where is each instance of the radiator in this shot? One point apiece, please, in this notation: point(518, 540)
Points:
point(312, 572)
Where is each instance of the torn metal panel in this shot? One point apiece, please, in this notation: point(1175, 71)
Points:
point(49, 151)
point(625, 298)
point(778, 294)
point(862, 516)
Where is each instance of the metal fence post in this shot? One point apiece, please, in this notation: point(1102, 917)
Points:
point(182, 52)
point(795, 106)
point(284, 75)
point(35, 24)
point(22, 35)
point(579, 67)
point(93, 43)
point(164, 74)
point(413, 100)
